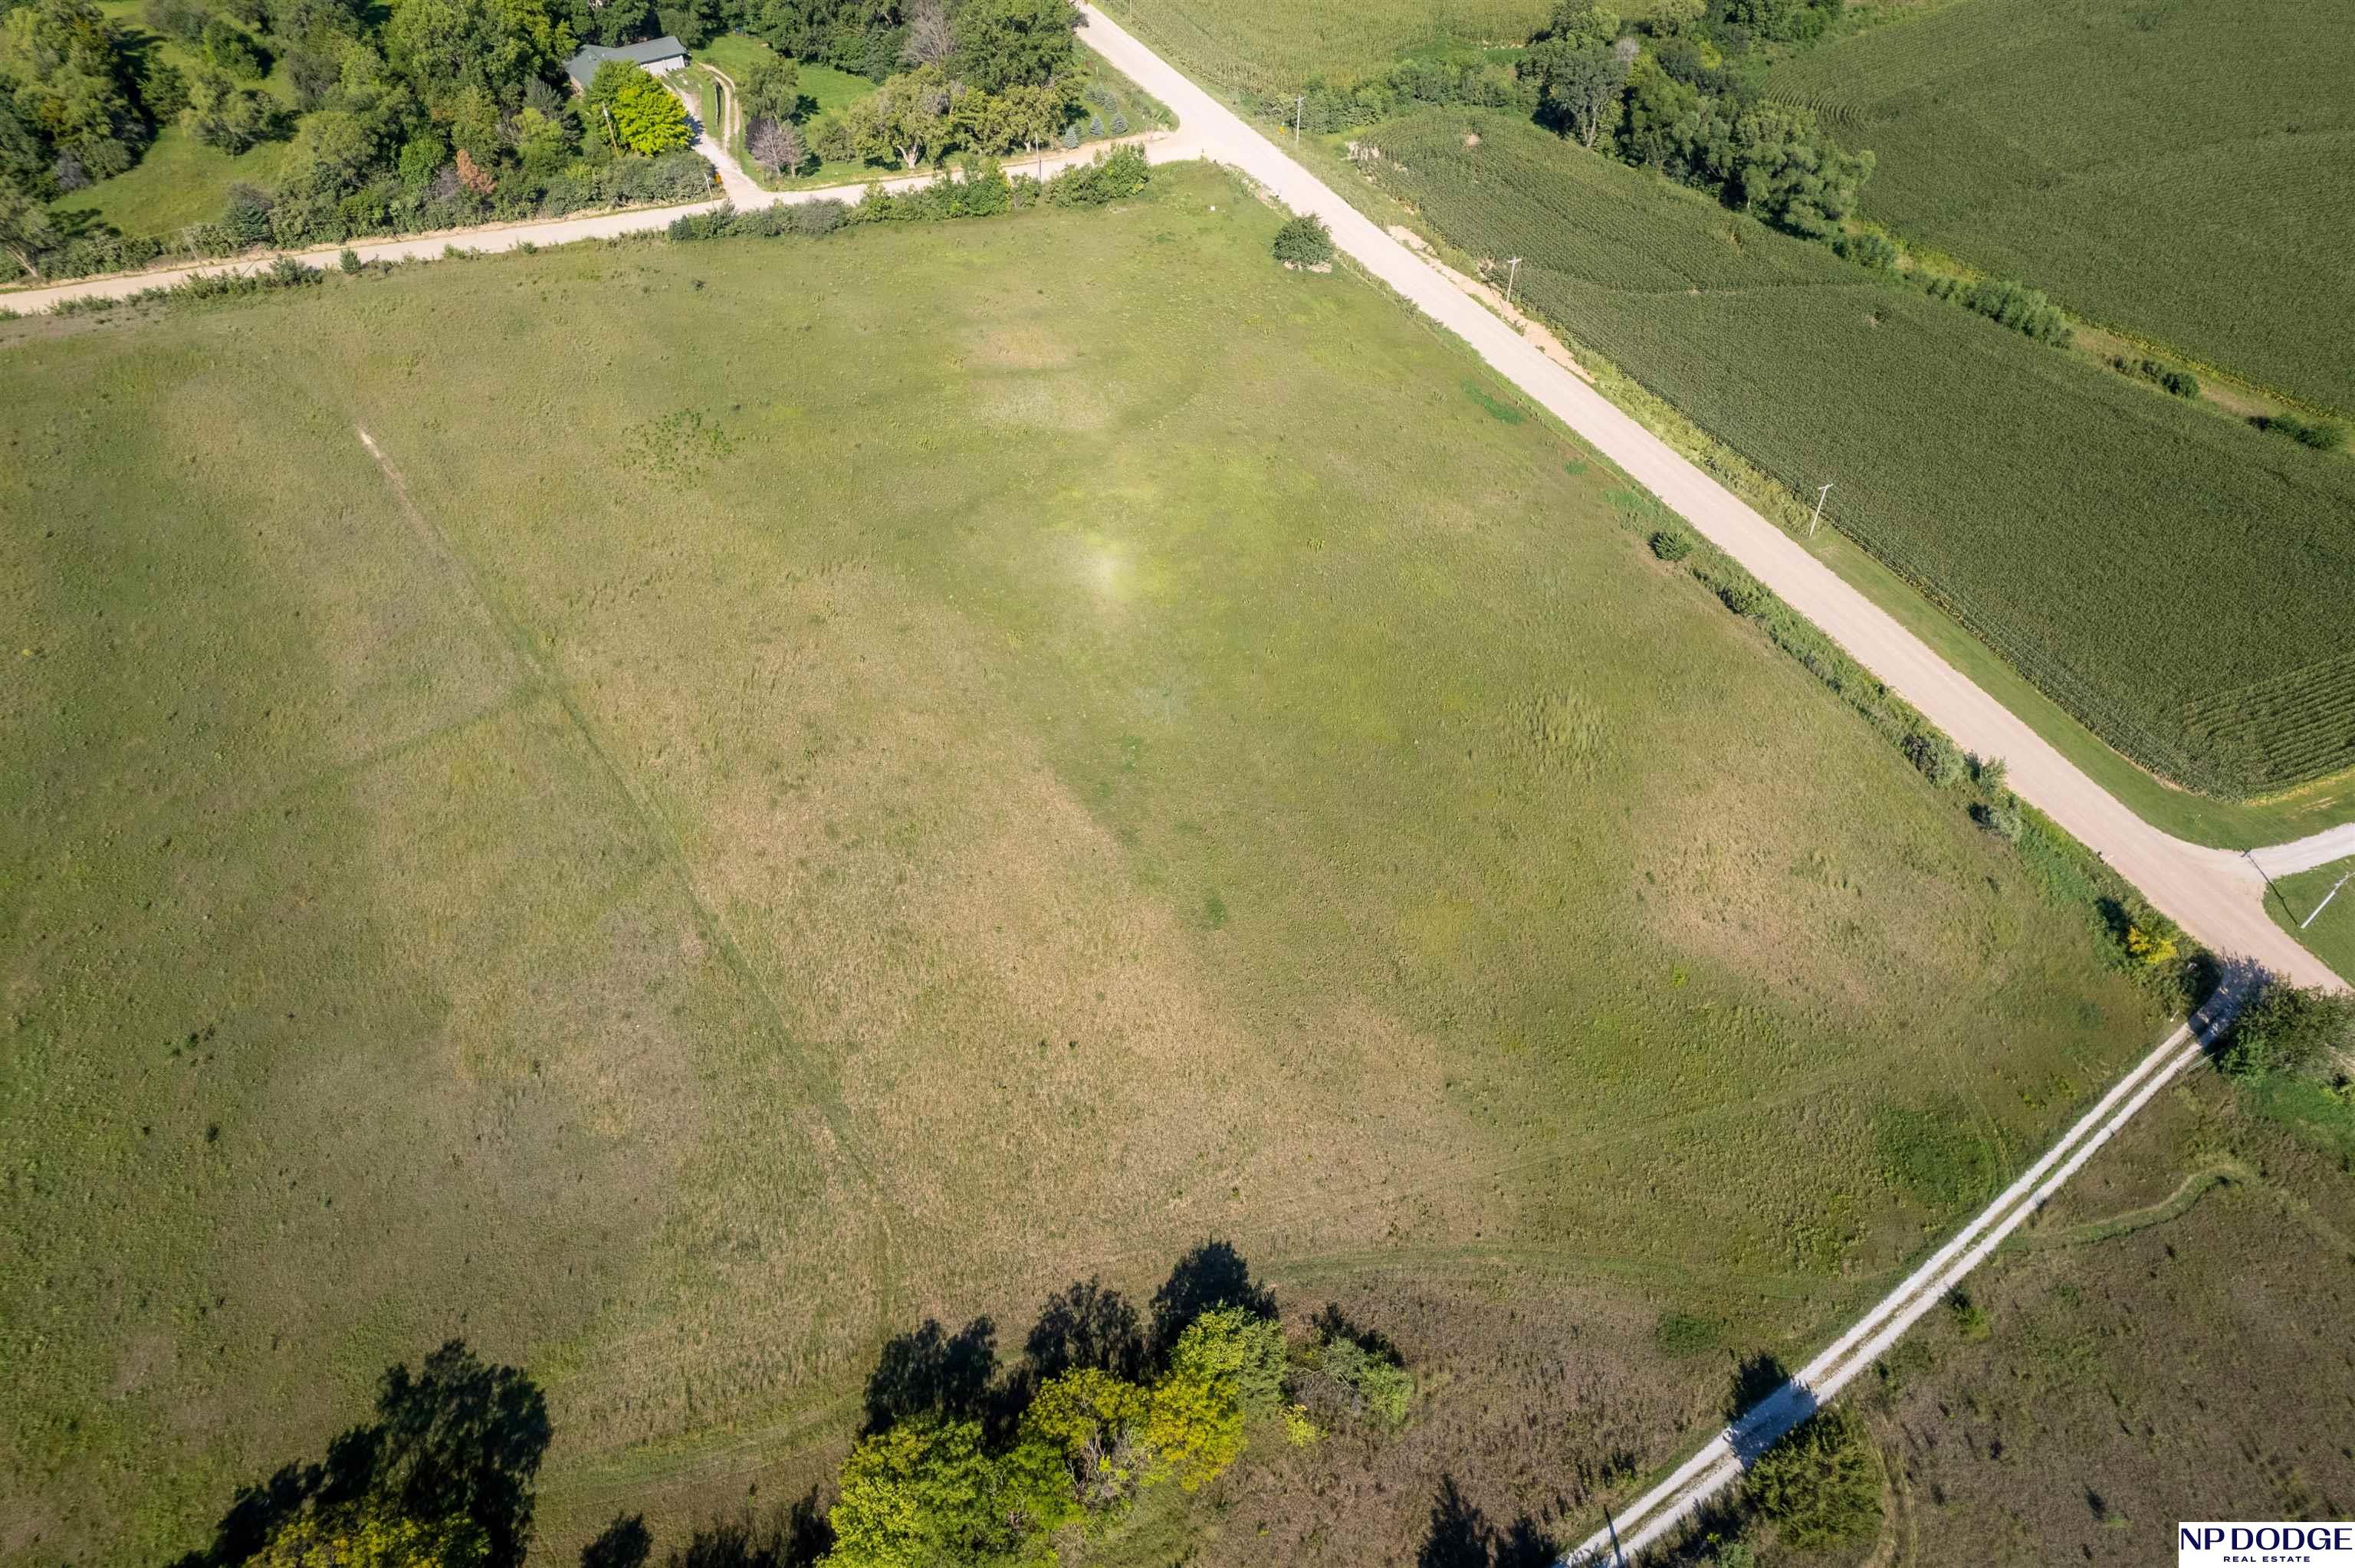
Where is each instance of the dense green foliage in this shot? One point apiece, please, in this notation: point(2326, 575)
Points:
point(2156, 166)
point(2015, 305)
point(1304, 242)
point(1821, 1483)
point(2108, 529)
point(1651, 98)
point(444, 113)
point(2293, 1030)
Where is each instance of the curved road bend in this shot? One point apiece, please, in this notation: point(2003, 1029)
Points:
point(2214, 893)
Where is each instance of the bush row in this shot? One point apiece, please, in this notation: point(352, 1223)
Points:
point(984, 192)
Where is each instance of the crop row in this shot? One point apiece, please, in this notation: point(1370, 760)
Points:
point(2131, 555)
point(2161, 168)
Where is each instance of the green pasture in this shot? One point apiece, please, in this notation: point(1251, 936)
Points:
point(2162, 167)
point(2174, 580)
point(669, 811)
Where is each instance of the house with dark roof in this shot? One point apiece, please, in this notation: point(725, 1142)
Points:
point(659, 56)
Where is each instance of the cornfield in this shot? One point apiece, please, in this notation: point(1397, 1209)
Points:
point(1274, 49)
point(2164, 168)
point(2179, 582)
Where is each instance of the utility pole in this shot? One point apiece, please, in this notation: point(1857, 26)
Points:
point(1818, 516)
point(1298, 100)
point(2326, 897)
point(1512, 270)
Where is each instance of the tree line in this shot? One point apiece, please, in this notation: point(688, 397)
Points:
point(959, 1460)
point(425, 114)
point(1665, 92)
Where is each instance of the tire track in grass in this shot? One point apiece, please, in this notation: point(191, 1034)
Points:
point(819, 1091)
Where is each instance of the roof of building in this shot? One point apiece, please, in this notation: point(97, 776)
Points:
point(583, 66)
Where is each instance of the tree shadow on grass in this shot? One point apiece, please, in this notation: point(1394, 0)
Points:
point(1085, 1325)
point(930, 1371)
point(1212, 1276)
point(456, 1437)
point(796, 1536)
point(1460, 1536)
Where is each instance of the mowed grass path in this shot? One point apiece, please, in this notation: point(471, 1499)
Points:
point(876, 777)
point(2164, 167)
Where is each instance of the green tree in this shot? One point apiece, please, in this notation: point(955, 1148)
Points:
point(1194, 1429)
point(1096, 1424)
point(921, 1494)
point(1238, 1350)
point(230, 47)
point(907, 119)
point(375, 1533)
point(332, 150)
point(1787, 171)
point(442, 47)
point(1584, 21)
point(25, 229)
point(222, 114)
point(1583, 82)
point(1014, 43)
point(1821, 1483)
point(2287, 1029)
point(73, 78)
point(772, 89)
point(648, 118)
point(1020, 117)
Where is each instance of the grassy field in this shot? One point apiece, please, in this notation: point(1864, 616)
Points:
point(2156, 166)
point(796, 786)
point(2109, 531)
point(2331, 936)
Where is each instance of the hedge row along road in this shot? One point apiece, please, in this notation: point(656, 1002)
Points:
point(2217, 894)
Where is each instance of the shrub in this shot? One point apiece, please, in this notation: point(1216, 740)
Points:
point(1742, 595)
point(1113, 177)
point(1989, 773)
point(1970, 1318)
point(1671, 544)
point(1821, 1484)
point(2181, 383)
point(1305, 241)
point(2320, 434)
point(1873, 251)
point(350, 260)
point(1938, 759)
point(2000, 817)
point(816, 218)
